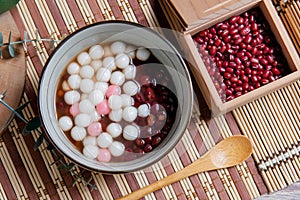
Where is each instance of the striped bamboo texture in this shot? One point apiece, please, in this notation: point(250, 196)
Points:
point(289, 11)
point(28, 174)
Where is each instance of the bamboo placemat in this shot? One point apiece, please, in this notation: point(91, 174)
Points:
point(29, 174)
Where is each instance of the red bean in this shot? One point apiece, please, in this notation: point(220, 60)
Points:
point(232, 64)
point(264, 81)
point(225, 64)
point(245, 30)
point(271, 78)
point(276, 71)
point(234, 19)
point(237, 61)
point(251, 18)
point(227, 39)
point(225, 33)
point(243, 45)
point(140, 142)
point(238, 41)
point(227, 75)
point(222, 69)
point(240, 54)
point(254, 51)
point(213, 50)
point(228, 92)
point(227, 82)
point(149, 93)
point(263, 61)
point(257, 85)
point(248, 39)
point(239, 82)
point(213, 30)
point(254, 79)
point(248, 71)
point(148, 148)
point(234, 79)
point(203, 33)
point(223, 49)
point(239, 89)
point(233, 31)
point(251, 87)
point(275, 63)
point(240, 20)
point(218, 42)
point(223, 27)
point(254, 60)
point(270, 58)
point(261, 46)
point(244, 78)
point(246, 86)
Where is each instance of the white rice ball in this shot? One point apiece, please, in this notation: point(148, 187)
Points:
point(142, 54)
point(84, 58)
point(102, 86)
point(73, 68)
point(114, 129)
point(96, 64)
point(117, 78)
point(129, 114)
point(115, 102)
point(122, 60)
point(131, 132)
point(130, 88)
point(96, 52)
point(72, 97)
point(65, 123)
point(96, 96)
point(74, 81)
point(103, 74)
point(78, 133)
point(82, 120)
point(86, 106)
point(90, 151)
point(115, 115)
point(95, 116)
point(144, 110)
point(127, 100)
point(87, 71)
point(90, 140)
point(104, 140)
point(130, 72)
point(130, 51)
point(117, 47)
point(109, 63)
point(116, 148)
point(86, 85)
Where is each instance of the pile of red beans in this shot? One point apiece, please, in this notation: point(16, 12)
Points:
point(241, 54)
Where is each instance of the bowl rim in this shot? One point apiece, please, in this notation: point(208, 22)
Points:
point(187, 76)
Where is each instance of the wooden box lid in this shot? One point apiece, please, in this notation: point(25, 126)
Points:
point(192, 13)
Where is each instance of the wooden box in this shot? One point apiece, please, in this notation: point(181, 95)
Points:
point(192, 16)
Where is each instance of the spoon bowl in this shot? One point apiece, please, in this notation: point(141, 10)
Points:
point(229, 152)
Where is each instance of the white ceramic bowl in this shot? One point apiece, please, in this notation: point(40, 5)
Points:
point(102, 33)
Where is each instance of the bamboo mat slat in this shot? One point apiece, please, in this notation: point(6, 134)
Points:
point(29, 174)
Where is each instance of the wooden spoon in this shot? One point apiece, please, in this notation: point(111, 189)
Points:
point(229, 152)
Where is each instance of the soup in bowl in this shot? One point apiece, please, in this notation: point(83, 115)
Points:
point(115, 97)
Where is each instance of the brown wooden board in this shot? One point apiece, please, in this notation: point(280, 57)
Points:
point(12, 70)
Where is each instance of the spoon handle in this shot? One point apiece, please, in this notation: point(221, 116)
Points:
point(154, 186)
point(179, 175)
